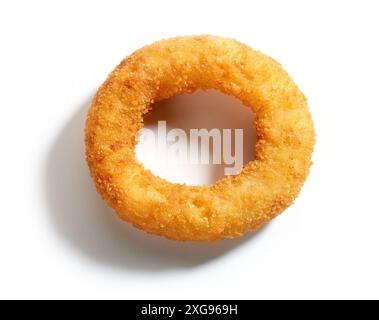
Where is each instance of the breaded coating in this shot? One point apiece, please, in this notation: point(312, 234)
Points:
point(233, 205)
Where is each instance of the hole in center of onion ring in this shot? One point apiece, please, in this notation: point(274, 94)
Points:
point(197, 138)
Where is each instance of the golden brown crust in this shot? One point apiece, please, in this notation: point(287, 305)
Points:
point(232, 205)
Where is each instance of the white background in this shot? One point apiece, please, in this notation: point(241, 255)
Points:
point(58, 239)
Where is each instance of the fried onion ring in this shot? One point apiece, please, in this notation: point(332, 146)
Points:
point(233, 205)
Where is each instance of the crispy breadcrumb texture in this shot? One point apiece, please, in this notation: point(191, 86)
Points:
point(233, 205)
